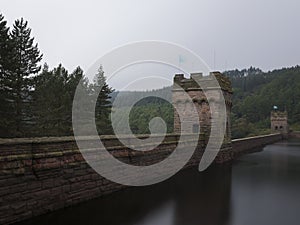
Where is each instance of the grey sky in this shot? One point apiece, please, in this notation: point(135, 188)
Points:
point(262, 33)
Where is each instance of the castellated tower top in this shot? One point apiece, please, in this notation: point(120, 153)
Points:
point(196, 92)
point(195, 78)
point(279, 122)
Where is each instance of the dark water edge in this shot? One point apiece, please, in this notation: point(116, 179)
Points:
point(261, 189)
point(266, 186)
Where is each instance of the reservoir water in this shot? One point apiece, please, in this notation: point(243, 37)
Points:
point(261, 188)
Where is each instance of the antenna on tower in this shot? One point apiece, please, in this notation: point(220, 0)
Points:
point(214, 59)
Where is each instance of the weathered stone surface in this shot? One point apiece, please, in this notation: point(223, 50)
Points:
point(279, 122)
point(185, 89)
point(45, 188)
point(44, 174)
point(252, 144)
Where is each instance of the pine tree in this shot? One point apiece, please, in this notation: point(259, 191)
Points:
point(103, 104)
point(4, 47)
point(53, 99)
point(26, 57)
point(45, 86)
point(75, 78)
point(5, 53)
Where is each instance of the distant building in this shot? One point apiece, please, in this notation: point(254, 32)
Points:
point(279, 122)
point(184, 88)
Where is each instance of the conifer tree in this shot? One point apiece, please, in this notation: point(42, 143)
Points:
point(5, 53)
point(103, 104)
point(25, 59)
point(53, 99)
point(5, 45)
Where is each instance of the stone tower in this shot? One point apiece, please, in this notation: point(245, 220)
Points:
point(191, 87)
point(279, 122)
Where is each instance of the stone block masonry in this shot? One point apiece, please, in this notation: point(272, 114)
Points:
point(253, 144)
point(45, 174)
point(279, 123)
point(294, 134)
point(185, 88)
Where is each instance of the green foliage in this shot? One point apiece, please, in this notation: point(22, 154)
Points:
point(151, 105)
point(141, 115)
point(17, 66)
point(5, 49)
point(40, 104)
point(145, 109)
point(103, 104)
point(125, 98)
point(53, 96)
point(295, 126)
point(255, 95)
point(33, 104)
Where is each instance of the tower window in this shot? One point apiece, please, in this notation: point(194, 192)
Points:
point(195, 128)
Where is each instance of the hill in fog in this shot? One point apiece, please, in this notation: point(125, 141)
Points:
point(255, 94)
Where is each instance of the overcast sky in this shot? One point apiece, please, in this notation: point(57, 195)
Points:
point(242, 33)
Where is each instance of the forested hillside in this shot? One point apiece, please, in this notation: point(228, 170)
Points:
point(143, 106)
point(255, 94)
point(36, 101)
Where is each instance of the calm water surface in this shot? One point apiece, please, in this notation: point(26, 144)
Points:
point(258, 189)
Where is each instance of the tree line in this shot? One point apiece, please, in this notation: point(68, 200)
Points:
point(255, 94)
point(35, 100)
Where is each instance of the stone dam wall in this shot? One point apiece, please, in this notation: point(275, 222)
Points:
point(253, 144)
point(295, 134)
point(45, 174)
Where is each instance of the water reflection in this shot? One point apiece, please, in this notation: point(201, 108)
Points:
point(261, 188)
point(266, 186)
point(161, 215)
point(188, 198)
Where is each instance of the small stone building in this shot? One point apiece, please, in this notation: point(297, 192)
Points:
point(279, 122)
point(184, 85)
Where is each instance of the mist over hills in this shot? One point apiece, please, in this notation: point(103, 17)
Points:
point(125, 98)
point(255, 94)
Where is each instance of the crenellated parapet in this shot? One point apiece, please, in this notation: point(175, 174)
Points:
point(196, 92)
point(279, 122)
